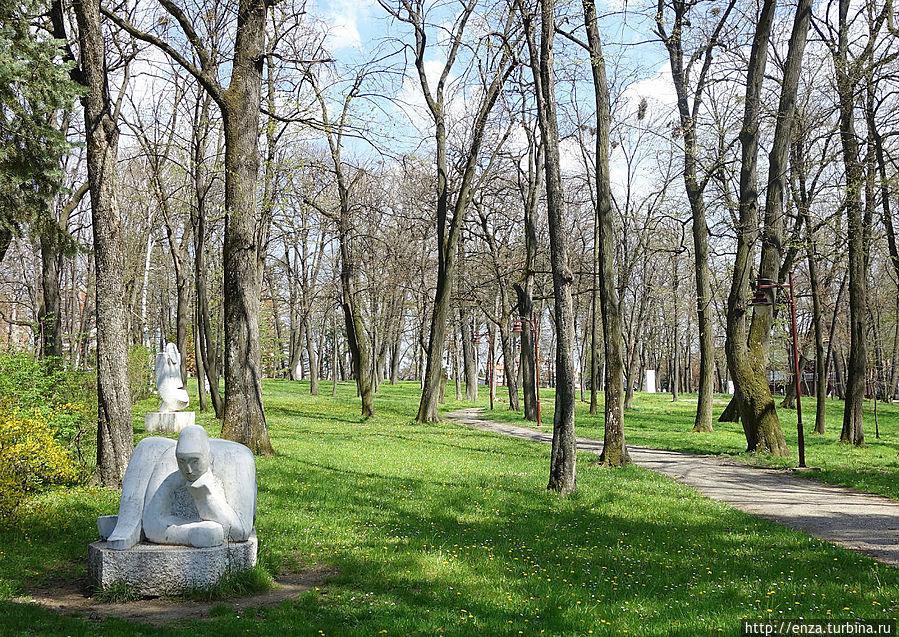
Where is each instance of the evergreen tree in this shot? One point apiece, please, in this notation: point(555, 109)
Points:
point(35, 88)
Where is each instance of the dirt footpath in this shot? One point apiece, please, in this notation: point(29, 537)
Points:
point(73, 596)
point(854, 520)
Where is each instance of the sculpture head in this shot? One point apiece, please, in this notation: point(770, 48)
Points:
point(172, 354)
point(192, 452)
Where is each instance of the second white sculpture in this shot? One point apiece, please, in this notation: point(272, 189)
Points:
point(172, 393)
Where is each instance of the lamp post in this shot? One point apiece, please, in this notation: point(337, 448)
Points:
point(760, 298)
point(491, 368)
point(532, 323)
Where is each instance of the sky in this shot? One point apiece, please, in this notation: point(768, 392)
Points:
point(355, 28)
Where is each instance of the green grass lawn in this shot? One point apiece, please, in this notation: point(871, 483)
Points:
point(655, 421)
point(439, 529)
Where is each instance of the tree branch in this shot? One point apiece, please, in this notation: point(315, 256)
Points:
point(209, 83)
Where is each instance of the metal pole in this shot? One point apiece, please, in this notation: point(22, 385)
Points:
point(797, 379)
point(490, 364)
point(536, 367)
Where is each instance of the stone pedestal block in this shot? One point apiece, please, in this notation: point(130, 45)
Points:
point(168, 421)
point(163, 569)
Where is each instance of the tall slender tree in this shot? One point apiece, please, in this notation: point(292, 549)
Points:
point(747, 349)
point(245, 231)
point(452, 202)
point(682, 67)
point(614, 451)
point(115, 434)
point(563, 459)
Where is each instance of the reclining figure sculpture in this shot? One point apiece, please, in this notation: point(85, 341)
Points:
point(196, 492)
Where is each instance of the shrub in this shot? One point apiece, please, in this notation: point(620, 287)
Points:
point(64, 398)
point(31, 457)
point(139, 376)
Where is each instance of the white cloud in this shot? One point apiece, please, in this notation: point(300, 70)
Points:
point(342, 33)
point(658, 91)
point(342, 19)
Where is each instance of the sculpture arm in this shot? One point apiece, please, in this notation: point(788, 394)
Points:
point(197, 534)
point(161, 527)
point(212, 505)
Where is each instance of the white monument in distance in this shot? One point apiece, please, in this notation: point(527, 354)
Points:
point(650, 383)
point(169, 418)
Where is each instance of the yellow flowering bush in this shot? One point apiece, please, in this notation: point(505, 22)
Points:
point(62, 397)
point(31, 458)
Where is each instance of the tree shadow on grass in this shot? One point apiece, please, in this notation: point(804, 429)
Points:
point(439, 554)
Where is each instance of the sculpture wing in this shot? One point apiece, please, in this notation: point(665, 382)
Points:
point(235, 467)
point(160, 369)
point(134, 488)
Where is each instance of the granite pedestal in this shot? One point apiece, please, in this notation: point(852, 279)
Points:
point(168, 421)
point(165, 569)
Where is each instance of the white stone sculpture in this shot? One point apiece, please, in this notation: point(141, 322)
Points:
point(168, 380)
point(186, 515)
point(173, 394)
point(197, 492)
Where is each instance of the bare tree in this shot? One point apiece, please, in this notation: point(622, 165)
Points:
point(682, 72)
point(614, 451)
point(563, 459)
point(452, 203)
point(115, 433)
point(747, 350)
point(853, 57)
point(245, 225)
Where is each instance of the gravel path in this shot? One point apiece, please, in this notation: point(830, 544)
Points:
point(854, 520)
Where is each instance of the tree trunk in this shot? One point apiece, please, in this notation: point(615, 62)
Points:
point(469, 358)
point(313, 358)
point(182, 283)
point(614, 452)
point(595, 323)
point(115, 433)
point(456, 367)
point(562, 469)
point(509, 367)
point(524, 290)
point(207, 344)
point(680, 74)
point(335, 354)
point(703, 421)
point(5, 241)
point(201, 371)
point(49, 313)
point(395, 354)
point(244, 420)
point(629, 371)
point(675, 343)
point(887, 217)
point(894, 374)
point(450, 217)
point(852, 431)
point(748, 353)
point(733, 410)
point(817, 313)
